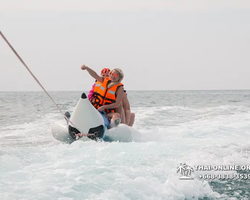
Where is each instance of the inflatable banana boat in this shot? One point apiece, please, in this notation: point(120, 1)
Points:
point(87, 119)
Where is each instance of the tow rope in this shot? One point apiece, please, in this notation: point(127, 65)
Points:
point(21, 60)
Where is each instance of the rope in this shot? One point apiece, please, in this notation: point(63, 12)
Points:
point(21, 60)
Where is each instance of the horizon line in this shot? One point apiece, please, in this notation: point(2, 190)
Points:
point(128, 90)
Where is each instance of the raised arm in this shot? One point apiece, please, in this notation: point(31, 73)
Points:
point(92, 73)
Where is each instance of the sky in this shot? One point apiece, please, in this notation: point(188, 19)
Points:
point(159, 44)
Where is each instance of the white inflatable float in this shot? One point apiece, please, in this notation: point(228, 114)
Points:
point(86, 119)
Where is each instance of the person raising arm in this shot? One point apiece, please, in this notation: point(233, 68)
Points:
point(97, 85)
point(110, 94)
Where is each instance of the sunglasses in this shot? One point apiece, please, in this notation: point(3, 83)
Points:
point(113, 74)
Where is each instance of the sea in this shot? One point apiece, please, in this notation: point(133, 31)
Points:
point(193, 145)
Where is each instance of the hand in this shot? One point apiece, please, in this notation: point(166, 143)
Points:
point(102, 108)
point(84, 67)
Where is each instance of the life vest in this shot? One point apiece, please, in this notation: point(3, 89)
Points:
point(105, 95)
point(97, 86)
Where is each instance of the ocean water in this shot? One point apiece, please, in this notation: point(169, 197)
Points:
point(199, 128)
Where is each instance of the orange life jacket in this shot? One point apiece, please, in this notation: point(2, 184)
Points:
point(97, 86)
point(105, 95)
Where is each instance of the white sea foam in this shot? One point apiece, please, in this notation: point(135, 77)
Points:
point(33, 165)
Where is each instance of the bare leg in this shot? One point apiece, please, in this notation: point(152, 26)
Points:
point(127, 116)
point(123, 118)
point(120, 110)
point(132, 119)
point(113, 116)
point(115, 120)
